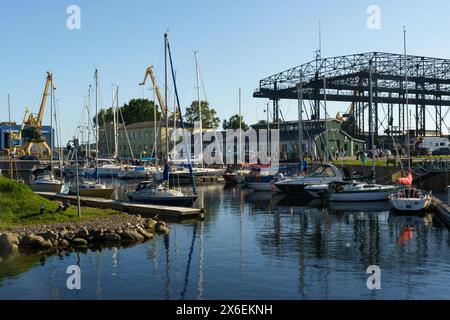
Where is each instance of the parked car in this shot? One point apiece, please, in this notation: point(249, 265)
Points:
point(441, 152)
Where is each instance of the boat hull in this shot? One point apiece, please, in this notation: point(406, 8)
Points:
point(359, 196)
point(261, 186)
point(47, 187)
point(410, 205)
point(94, 193)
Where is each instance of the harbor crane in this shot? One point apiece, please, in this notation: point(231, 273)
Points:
point(149, 73)
point(32, 133)
point(16, 137)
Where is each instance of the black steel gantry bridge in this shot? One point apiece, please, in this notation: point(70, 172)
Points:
point(373, 83)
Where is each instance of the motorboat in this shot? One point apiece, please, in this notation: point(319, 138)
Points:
point(148, 192)
point(323, 174)
point(92, 189)
point(410, 200)
point(359, 192)
point(135, 172)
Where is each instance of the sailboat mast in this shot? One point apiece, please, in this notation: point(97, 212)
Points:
point(89, 123)
point(327, 157)
point(51, 126)
point(371, 120)
point(96, 124)
point(300, 119)
point(408, 148)
point(240, 124)
point(11, 174)
point(199, 107)
point(166, 115)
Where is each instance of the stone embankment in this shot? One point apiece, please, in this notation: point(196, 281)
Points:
point(113, 229)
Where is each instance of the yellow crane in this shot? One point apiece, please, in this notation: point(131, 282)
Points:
point(16, 137)
point(32, 134)
point(148, 73)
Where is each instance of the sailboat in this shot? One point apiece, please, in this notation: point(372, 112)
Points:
point(409, 199)
point(93, 189)
point(149, 192)
point(44, 181)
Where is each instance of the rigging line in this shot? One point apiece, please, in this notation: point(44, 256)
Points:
point(181, 119)
point(126, 133)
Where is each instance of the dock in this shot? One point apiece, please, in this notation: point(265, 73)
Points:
point(129, 207)
point(442, 210)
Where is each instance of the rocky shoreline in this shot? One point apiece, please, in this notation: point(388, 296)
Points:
point(82, 234)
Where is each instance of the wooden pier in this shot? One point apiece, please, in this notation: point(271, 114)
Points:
point(129, 207)
point(442, 210)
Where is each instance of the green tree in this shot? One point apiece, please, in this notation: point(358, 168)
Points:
point(233, 123)
point(136, 110)
point(209, 118)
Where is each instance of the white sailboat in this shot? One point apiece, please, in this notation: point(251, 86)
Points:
point(149, 192)
point(409, 199)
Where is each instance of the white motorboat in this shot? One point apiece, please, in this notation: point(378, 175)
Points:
point(410, 200)
point(323, 174)
point(359, 192)
point(92, 189)
point(147, 192)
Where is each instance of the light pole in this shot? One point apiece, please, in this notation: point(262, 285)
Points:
point(74, 144)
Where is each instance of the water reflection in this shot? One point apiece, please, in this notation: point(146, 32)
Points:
point(256, 246)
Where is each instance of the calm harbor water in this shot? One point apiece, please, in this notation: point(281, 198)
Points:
point(254, 246)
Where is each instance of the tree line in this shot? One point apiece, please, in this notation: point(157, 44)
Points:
point(143, 110)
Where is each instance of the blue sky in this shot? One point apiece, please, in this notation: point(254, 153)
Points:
point(239, 43)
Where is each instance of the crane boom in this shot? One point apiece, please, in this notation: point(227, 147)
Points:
point(148, 73)
point(44, 98)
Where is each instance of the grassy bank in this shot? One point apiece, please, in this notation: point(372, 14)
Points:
point(20, 206)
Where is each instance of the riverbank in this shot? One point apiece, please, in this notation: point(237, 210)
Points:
point(28, 221)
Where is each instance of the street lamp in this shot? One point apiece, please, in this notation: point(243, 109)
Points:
point(74, 144)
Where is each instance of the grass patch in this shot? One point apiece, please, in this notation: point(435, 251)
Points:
point(20, 206)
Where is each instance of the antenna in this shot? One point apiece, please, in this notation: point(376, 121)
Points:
point(320, 40)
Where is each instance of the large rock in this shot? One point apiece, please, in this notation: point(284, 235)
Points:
point(112, 237)
point(150, 224)
point(9, 243)
point(77, 242)
point(161, 227)
point(83, 233)
point(132, 235)
point(146, 234)
point(36, 242)
point(69, 235)
point(64, 243)
point(9, 239)
point(50, 235)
